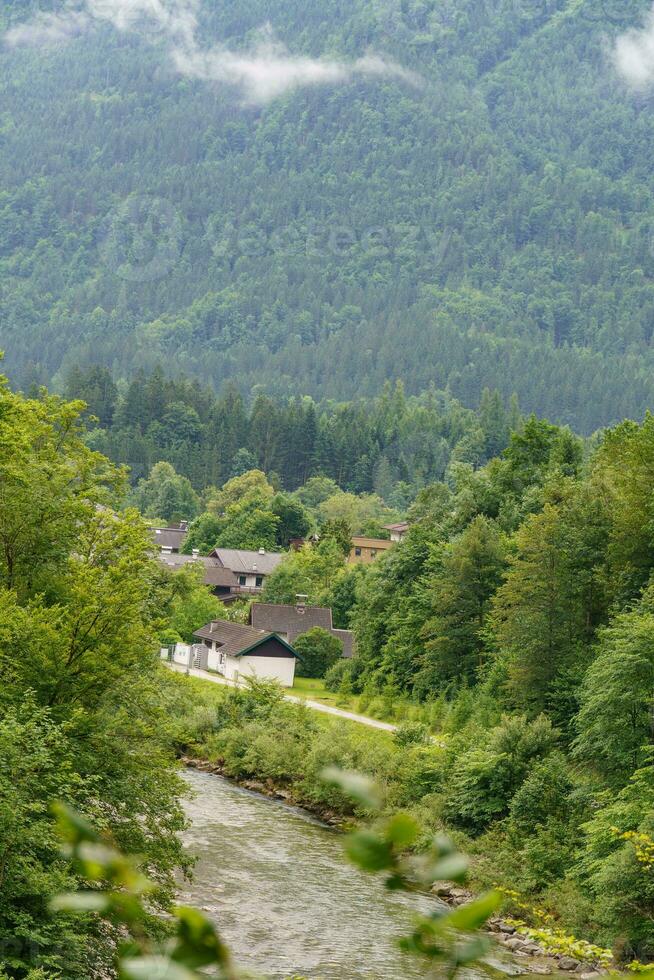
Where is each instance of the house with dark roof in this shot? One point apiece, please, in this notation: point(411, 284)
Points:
point(170, 539)
point(290, 622)
point(250, 568)
point(237, 652)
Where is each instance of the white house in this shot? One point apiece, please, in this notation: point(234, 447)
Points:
point(238, 651)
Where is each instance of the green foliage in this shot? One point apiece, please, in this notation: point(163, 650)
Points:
point(190, 605)
point(336, 674)
point(294, 519)
point(310, 571)
point(459, 591)
point(412, 733)
point(485, 778)
point(83, 714)
point(166, 495)
point(319, 650)
point(615, 719)
point(621, 885)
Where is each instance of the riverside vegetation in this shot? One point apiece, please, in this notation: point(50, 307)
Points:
point(516, 619)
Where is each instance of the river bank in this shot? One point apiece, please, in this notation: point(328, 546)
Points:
point(280, 750)
point(538, 961)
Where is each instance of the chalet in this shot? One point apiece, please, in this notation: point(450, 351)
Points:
point(238, 651)
point(397, 531)
point(250, 568)
point(365, 550)
point(289, 622)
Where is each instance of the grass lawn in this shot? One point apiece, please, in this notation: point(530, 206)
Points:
point(314, 690)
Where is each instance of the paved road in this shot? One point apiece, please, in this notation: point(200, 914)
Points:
point(326, 709)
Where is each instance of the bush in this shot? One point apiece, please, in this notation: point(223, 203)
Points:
point(319, 651)
point(412, 733)
point(336, 674)
point(485, 778)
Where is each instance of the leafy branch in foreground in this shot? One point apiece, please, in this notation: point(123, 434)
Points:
point(448, 938)
point(121, 896)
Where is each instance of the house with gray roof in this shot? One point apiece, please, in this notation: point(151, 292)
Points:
point(290, 622)
point(237, 652)
point(250, 568)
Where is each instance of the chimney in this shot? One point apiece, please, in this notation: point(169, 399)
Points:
point(262, 551)
point(301, 603)
point(166, 549)
point(183, 525)
point(196, 552)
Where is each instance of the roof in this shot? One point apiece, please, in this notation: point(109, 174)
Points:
point(347, 639)
point(254, 562)
point(297, 619)
point(362, 542)
point(236, 640)
point(169, 537)
point(270, 616)
point(401, 527)
point(214, 573)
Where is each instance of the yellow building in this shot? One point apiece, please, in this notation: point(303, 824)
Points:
point(365, 550)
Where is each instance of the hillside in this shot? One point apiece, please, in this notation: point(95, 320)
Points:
point(486, 221)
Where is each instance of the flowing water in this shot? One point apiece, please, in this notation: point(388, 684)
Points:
point(283, 894)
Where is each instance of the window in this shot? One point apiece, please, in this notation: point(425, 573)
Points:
point(242, 580)
point(357, 552)
point(258, 581)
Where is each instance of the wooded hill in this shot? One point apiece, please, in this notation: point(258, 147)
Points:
point(491, 227)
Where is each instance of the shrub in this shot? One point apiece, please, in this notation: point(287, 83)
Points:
point(336, 674)
point(412, 733)
point(319, 651)
point(485, 778)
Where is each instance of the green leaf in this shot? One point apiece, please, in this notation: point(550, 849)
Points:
point(474, 914)
point(451, 868)
point(80, 902)
point(369, 851)
point(470, 951)
point(154, 968)
point(198, 941)
point(402, 830)
point(71, 826)
point(358, 787)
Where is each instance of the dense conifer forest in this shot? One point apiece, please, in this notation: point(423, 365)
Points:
point(486, 221)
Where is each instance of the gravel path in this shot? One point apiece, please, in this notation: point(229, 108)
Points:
point(326, 709)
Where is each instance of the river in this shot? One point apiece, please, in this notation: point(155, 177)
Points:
point(284, 896)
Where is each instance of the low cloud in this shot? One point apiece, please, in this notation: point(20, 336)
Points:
point(262, 72)
point(633, 54)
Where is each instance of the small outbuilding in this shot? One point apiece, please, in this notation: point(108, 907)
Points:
point(238, 652)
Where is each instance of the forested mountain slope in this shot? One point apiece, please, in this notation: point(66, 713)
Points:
point(490, 226)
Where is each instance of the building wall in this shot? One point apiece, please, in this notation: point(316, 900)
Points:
point(250, 580)
point(366, 550)
point(182, 654)
point(280, 669)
